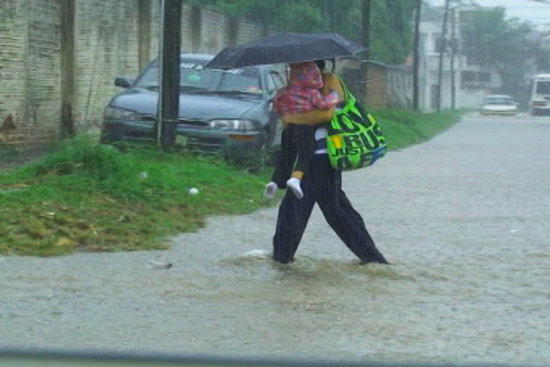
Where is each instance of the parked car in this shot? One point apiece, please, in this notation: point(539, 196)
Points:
point(498, 104)
point(227, 112)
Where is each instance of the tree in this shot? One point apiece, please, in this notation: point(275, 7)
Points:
point(365, 39)
point(281, 15)
point(492, 41)
point(390, 29)
point(442, 50)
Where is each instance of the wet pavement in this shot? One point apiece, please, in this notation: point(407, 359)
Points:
point(464, 219)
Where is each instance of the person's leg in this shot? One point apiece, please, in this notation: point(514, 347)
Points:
point(343, 218)
point(291, 222)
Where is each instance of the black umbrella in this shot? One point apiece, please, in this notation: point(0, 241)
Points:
point(286, 48)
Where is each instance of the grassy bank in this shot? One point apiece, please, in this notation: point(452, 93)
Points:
point(404, 128)
point(90, 197)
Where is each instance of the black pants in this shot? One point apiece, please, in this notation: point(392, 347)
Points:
point(322, 185)
point(304, 141)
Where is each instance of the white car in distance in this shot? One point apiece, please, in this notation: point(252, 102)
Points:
point(498, 104)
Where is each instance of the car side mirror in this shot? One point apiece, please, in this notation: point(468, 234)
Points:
point(123, 82)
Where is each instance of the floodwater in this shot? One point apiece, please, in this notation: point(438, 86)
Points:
point(464, 219)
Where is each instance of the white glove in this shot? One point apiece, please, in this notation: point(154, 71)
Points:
point(270, 190)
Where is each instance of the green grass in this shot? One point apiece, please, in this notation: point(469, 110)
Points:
point(404, 128)
point(86, 196)
point(92, 197)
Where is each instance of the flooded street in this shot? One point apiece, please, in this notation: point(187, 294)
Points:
point(464, 219)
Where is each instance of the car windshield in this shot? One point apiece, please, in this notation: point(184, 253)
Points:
point(499, 100)
point(195, 77)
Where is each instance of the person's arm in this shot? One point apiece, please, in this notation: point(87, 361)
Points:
point(315, 117)
point(332, 83)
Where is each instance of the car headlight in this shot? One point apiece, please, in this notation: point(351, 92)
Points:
point(121, 114)
point(232, 125)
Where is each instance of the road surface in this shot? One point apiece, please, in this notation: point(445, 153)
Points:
point(464, 219)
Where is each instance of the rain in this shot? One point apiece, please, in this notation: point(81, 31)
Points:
point(138, 141)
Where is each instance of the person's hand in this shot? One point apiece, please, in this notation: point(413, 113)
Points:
point(337, 96)
point(270, 190)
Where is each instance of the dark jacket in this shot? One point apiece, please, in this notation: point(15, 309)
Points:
point(295, 140)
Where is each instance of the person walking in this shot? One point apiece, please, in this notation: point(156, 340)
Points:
point(300, 95)
point(322, 185)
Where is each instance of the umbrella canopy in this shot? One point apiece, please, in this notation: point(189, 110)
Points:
point(286, 48)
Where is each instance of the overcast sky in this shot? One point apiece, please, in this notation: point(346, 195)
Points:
point(533, 11)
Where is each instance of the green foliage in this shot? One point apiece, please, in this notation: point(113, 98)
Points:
point(81, 154)
point(391, 30)
point(92, 197)
point(492, 41)
point(391, 21)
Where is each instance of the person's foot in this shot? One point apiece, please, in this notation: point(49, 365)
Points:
point(294, 185)
point(383, 261)
point(282, 261)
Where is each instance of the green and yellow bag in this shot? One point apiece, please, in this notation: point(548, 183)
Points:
point(354, 138)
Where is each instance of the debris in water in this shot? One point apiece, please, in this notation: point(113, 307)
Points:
point(256, 253)
point(155, 264)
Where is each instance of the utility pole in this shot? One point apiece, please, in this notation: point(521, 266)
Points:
point(67, 67)
point(365, 35)
point(441, 52)
point(453, 53)
point(169, 65)
point(416, 56)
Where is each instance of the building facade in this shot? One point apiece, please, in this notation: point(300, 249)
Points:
point(463, 85)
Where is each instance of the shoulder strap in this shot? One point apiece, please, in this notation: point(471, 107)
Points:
point(348, 98)
point(347, 94)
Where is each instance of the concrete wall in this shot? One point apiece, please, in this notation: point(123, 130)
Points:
point(105, 45)
point(40, 69)
point(388, 86)
point(377, 87)
point(29, 69)
point(400, 87)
